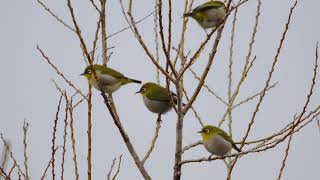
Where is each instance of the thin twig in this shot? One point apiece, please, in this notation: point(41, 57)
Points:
point(128, 27)
point(283, 164)
point(95, 6)
point(153, 142)
point(254, 96)
point(111, 169)
point(55, 16)
point(78, 32)
point(48, 165)
point(193, 109)
point(7, 146)
point(25, 145)
point(186, 148)
point(207, 87)
point(54, 131)
point(60, 73)
point(73, 141)
point(118, 169)
point(318, 124)
point(64, 135)
point(4, 157)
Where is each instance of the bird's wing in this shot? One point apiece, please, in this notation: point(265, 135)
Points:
point(208, 5)
point(228, 138)
point(158, 94)
point(111, 72)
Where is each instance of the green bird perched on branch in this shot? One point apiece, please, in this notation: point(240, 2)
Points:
point(216, 141)
point(210, 14)
point(109, 80)
point(157, 98)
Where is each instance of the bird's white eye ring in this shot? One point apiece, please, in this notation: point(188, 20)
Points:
point(207, 131)
point(144, 89)
point(89, 71)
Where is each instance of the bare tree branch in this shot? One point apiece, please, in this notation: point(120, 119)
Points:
point(153, 142)
point(55, 16)
point(25, 145)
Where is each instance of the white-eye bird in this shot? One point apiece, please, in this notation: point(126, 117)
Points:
point(216, 141)
point(210, 14)
point(110, 80)
point(157, 98)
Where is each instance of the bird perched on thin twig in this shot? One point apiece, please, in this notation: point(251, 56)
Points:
point(210, 14)
point(109, 80)
point(156, 98)
point(216, 141)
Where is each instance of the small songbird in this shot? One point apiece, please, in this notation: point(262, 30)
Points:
point(157, 98)
point(210, 14)
point(216, 141)
point(110, 80)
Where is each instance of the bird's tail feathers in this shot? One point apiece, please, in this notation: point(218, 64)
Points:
point(187, 15)
point(134, 81)
point(236, 148)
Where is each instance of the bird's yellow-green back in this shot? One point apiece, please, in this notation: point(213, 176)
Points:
point(154, 92)
point(208, 131)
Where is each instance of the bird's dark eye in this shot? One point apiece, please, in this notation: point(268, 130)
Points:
point(89, 71)
point(207, 131)
point(144, 89)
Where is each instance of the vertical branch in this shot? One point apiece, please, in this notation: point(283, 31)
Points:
point(169, 26)
point(89, 133)
point(166, 53)
point(103, 32)
point(53, 146)
point(283, 164)
point(179, 133)
point(73, 141)
point(64, 135)
point(156, 39)
point(25, 145)
point(48, 166)
point(230, 70)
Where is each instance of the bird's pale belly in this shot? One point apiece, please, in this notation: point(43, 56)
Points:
point(218, 146)
point(157, 106)
point(108, 85)
point(214, 17)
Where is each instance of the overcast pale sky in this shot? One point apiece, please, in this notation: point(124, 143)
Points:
point(28, 93)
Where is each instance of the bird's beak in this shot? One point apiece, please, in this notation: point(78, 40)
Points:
point(138, 92)
point(199, 132)
point(82, 74)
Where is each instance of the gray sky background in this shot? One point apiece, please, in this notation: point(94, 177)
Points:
point(28, 93)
